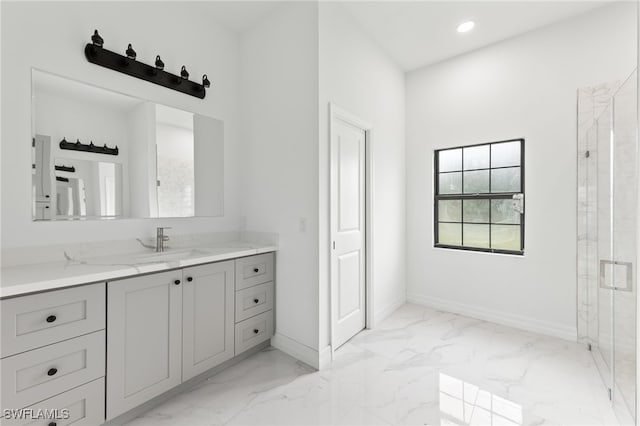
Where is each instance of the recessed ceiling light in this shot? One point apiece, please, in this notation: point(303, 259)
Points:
point(466, 26)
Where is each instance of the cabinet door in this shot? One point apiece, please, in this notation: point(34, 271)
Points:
point(208, 321)
point(144, 339)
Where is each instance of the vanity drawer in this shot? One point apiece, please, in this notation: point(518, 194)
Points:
point(81, 406)
point(254, 270)
point(253, 301)
point(41, 319)
point(39, 374)
point(253, 331)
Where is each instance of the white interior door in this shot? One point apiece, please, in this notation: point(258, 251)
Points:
point(348, 254)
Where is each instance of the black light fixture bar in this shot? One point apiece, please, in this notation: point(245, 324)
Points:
point(78, 146)
point(97, 54)
point(63, 168)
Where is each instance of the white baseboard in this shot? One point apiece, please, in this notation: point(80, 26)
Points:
point(511, 320)
point(325, 357)
point(297, 350)
point(382, 314)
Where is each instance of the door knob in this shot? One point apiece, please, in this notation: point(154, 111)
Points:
point(256, 270)
point(256, 331)
point(51, 318)
point(189, 279)
point(256, 300)
point(177, 282)
point(52, 372)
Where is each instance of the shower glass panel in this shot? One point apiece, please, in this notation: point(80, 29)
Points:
point(624, 244)
point(603, 160)
point(607, 262)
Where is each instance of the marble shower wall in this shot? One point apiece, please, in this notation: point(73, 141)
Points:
point(592, 102)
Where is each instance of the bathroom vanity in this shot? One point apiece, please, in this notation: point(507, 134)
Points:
point(96, 340)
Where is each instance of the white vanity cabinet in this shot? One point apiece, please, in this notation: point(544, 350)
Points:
point(207, 312)
point(144, 339)
point(98, 351)
point(53, 345)
point(166, 328)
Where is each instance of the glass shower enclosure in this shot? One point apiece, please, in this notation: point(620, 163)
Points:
point(607, 236)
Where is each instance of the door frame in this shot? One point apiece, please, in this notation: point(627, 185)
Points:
point(338, 113)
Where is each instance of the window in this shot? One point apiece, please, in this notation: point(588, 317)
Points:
point(479, 197)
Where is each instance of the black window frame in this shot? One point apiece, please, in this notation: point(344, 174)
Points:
point(479, 196)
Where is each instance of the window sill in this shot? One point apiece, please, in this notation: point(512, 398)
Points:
point(519, 254)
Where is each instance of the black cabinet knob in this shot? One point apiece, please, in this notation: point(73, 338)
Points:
point(189, 279)
point(256, 300)
point(256, 270)
point(177, 282)
point(256, 331)
point(53, 424)
point(52, 372)
point(51, 318)
point(46, 196)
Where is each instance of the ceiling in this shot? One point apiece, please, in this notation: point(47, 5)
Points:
point(416, 33)
point(419, 33)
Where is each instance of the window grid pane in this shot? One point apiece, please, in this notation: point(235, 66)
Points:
point(467, 213)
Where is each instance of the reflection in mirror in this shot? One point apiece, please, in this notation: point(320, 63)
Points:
point(88, 188)
point(175, 162)
point(169, 162)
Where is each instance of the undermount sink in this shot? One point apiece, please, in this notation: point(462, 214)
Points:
point(168, 256)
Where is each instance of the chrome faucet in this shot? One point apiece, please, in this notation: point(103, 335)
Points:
point(161, 238)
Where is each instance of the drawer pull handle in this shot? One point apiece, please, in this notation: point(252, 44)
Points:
point(177, 282)
point(51, 318)
point(52, 372)
point(256, 270)
point(256, 300)
point(189, 279)
point(256, 331)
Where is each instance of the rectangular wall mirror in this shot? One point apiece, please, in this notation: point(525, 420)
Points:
point(168, 162)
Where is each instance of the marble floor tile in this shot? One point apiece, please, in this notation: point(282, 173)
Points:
point(419, 367)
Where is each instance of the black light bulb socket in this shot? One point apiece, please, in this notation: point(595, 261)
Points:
point(96, 39)
point(205, 81)
point(131, 54)
point(159, 63)
point(184, 73)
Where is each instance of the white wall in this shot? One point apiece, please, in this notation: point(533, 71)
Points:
point(358, 76)
point(54, 40)
point(522, 87)
point(280, 162)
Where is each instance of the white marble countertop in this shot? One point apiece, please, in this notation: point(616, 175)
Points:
point(25, 279)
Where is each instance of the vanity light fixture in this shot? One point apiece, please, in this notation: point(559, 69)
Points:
point(63, 168)
point(465, 27)
point(97, 54)
point(159, 63)
point(184, 74)
point(131, 54)
point(78, 146)
point(96, 39)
